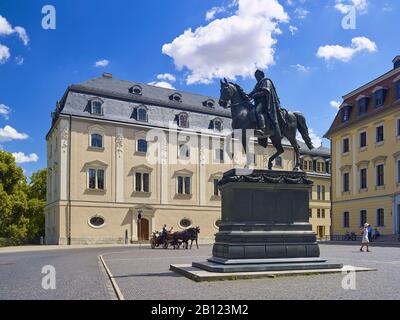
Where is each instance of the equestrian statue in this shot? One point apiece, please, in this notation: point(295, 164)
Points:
point(265, 116)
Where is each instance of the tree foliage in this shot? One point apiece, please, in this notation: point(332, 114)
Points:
point(21, 204)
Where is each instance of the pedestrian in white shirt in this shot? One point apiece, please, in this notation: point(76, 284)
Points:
point(365, 240)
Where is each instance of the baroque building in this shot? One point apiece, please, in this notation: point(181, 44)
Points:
point(365, 140)
point(117, 149)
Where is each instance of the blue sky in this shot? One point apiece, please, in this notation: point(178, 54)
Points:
point(143, 39)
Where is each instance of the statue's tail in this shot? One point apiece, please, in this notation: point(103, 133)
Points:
point(303, 129)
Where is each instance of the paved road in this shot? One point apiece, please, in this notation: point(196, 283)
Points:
point(144, 274)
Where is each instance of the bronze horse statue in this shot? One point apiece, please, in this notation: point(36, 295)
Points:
point(243, 117)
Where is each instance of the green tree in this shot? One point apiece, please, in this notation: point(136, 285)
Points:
point(21, 205)
point(11, 176)
point(37, 185)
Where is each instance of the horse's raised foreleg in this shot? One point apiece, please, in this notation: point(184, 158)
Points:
point(277, 143)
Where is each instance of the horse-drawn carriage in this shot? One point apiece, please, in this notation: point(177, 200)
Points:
point(175, 239)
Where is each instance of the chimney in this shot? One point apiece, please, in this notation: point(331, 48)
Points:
point(107, 75)
point(396, 62)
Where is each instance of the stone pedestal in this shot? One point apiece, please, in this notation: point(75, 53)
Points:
point(265, 224)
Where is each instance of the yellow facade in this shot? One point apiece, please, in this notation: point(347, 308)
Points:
point(365, 175)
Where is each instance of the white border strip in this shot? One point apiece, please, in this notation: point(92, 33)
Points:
point(111, 277)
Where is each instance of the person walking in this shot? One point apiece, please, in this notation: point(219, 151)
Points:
point(370, 230)
point(365, 239)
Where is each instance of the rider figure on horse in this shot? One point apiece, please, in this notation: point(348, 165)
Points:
point(267, 104)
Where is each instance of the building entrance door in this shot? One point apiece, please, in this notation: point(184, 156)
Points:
point(321, 232)
point(143, 229)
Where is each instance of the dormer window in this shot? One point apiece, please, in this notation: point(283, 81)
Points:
point(209, 103)
point(362, 105)
point(96, 107)
point(398, 89)
point(379, 97)
point(217, 125)
point(183, 120)
point(140, 113)
point(345, 113)
point(136, 90)
point(177, 97)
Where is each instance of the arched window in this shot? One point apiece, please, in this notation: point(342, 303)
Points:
point(217, 125)
point(142, 114)
point(183, 120)
point(177, 97)
point(136, 90)
point(142, 146)
point(96, 140)
point(97, 108)
point(209, 103)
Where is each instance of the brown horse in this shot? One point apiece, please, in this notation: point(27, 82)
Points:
point(186, 235)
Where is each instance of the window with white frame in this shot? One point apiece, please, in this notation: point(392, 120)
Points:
point(141, 114)
point(184, 184)
point(346, 219)
point(183, 120)
point(217, 124)
point(142, 146)
point(142, 181)
point(97, 107)
point(215, 186)
point(346, 182)
point(380, 175)
point(363, 178)
point(380, 134)
point(96, 140)
point(380, 217)
point(398, 171)
point(96, 179)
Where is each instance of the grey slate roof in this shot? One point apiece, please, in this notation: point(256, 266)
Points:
point(317, 152)
point(119, 103)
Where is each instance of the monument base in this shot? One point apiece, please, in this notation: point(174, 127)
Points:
point(265, 225)
point(253, 266)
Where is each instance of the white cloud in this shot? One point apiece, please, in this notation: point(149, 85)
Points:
point(162, 84)
point(22, 35)
point(6, 29)
point(19, 60)
point(167, 77)
point(232, 46)
point(301, 68)
point(315, 138)
point(101, 63)
point(9, 133)
point(345, 54)
point(4, 111)
point(293, 29)
point(301, 13)
point(4, 54)
point(21, 157)
point(335, 104)
point(344, 6)
point(210, 15)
